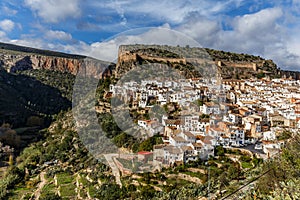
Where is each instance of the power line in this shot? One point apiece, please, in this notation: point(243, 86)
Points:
point(246, 184)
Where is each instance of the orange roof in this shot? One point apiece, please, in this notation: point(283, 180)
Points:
point(197, 145)
point(145, 153)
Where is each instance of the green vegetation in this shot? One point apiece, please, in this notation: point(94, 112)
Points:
point(284, 135)
point(229, 56)
point(283, 173)
point(147, 145)
point(62, 81)
point(260, 75)
point(65, 156)
point(122, 139)
point(36, 97)
point(26, 96)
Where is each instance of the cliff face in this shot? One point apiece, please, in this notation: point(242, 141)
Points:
point(20, 62)
point(128, 59)
point(230, 65)
point(290, 74)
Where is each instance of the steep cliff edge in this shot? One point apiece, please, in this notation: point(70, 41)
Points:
point(187, 60)
point(15, 58)
point(33, 83)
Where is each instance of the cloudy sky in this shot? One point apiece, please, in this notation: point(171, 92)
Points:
point(270, 29)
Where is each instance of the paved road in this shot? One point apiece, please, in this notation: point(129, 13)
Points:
point(114, 168)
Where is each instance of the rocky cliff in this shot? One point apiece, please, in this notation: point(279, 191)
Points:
point(131, 56)
point(230, 65)
point(16, 58)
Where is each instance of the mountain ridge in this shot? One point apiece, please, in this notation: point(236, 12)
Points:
point(25, 49)
point(19, 58)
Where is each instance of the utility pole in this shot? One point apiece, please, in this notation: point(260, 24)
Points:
point(208, 180)
point(208, 187)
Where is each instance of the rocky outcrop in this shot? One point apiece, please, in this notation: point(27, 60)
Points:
point(15, 58)
point(20, 62)
point(290, 74)
point(129, 59)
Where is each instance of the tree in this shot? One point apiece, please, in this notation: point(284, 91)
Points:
point(147, 192)
point(260, 75)
point(223, 179)
point(109, 191)
point(233, 172)
point(220, 151)
point(147, 145)
point(49, 196)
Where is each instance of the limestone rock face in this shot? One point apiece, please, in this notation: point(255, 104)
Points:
point(88, 66)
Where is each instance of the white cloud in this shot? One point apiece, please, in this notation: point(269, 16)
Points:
point(2, 35)
point(260, 22)
point(203, 30)
point(7, 25)
point(108, 50)
point(253, 33)
point(270, 32)
point(262, 33)
point(30, 42)
point(8, 11)
point(58, 35)
point(54, 10)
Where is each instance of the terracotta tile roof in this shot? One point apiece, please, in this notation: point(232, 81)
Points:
point(172, 149)
point(207, 139)
point(159, 146)
point(189, 134)
point(186, 148)
point(179, 139)
point(174, 122)
point(199, 145)
point(145, 153)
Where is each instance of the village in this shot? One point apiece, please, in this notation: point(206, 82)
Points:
point(258, 115)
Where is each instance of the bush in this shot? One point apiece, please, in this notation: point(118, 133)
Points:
point(245, 158)
point(220, 151)
point(50, 196)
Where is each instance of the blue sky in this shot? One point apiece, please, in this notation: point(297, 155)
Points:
point(270, 29)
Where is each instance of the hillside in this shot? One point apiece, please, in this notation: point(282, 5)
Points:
point(24, 96)
point(60, 164)
point(187, 59)
point(15, 58)
point(36, 92)
point(6, 48)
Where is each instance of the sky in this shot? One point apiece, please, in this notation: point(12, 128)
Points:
point(270, 29)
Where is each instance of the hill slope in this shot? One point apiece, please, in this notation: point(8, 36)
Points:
point(60, 161)
point(23, 96)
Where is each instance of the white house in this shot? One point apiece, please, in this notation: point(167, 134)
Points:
point(210, 108)
point(269, 136)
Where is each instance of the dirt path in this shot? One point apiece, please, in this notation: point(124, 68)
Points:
point(43, 182)
point(112, 164)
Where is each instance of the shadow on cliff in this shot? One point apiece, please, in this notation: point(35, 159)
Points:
point(21, 65)
point(22, 96)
